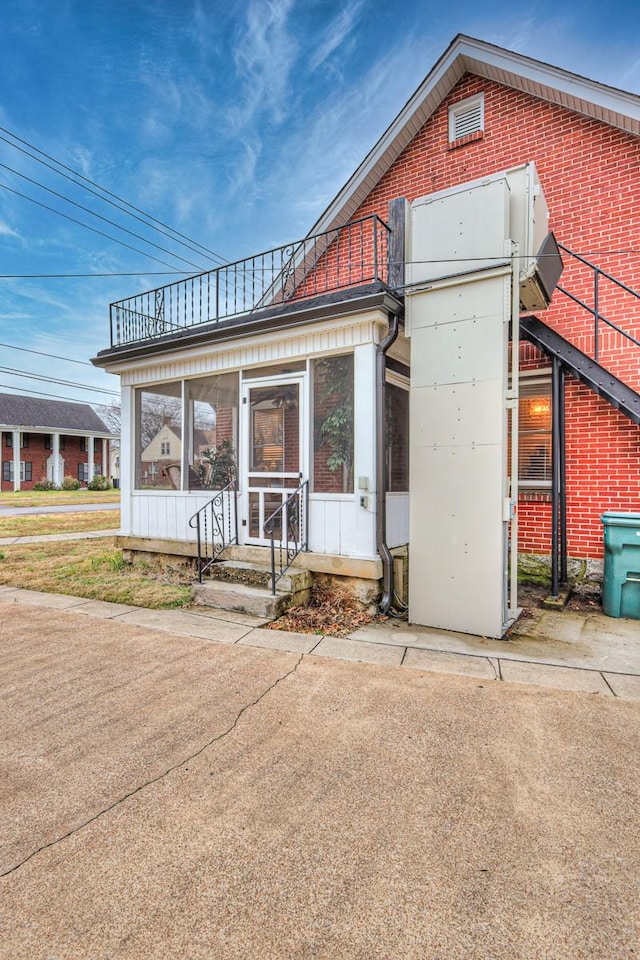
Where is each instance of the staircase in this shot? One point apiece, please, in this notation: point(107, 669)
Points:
point(245, 587)
point(252, 586)
point(585, 369)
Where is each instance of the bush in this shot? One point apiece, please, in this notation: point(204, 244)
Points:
point(71, 483)
point(45, 484)
point(99, 483)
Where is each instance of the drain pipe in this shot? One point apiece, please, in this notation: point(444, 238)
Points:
point(381, 499)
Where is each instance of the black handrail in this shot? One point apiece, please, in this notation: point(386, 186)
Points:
point(289, 525)
point(595, 309)
point(216, 525)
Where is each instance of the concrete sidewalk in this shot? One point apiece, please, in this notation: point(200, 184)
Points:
point(568, 651)
point(54, 537)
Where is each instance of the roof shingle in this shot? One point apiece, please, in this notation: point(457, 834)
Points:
point(54, 414)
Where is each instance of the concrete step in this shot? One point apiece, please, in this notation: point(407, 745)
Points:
point(256, 601)
point(295, 581)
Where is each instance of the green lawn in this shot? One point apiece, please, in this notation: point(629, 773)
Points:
point(50, 498)
point(42, 524)
point(95, 569)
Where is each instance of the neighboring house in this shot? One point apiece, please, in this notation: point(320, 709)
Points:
point(161, 459)
point(114, 462)
point(313, 370)
point(50, 439)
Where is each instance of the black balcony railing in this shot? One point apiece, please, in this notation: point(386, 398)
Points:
point(344, 257)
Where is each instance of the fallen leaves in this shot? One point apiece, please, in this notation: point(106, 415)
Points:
point(330, 611)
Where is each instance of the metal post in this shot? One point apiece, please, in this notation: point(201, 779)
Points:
point(273, 564)
point(375, 248)
point(555, 472)
point(199, 552)
point(596, 307)
point(563, 479)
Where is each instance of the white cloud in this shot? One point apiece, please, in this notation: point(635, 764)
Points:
point(264, 58)
point(336, 33)
point(7, 231)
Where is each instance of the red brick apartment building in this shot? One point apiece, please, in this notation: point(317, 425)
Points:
point(48, 440)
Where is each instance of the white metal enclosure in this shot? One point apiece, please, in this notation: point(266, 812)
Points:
point(462, 295)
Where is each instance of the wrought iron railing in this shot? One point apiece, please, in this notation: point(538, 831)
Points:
point(216, 526)
point(594, 308)
point(288, 530)
point(343, 257)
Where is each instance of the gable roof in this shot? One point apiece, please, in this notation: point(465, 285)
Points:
point(25, 412)
point(466, 55)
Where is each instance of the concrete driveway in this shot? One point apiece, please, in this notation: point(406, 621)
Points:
point(169, 797)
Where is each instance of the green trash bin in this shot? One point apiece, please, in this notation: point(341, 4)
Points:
point(621, 583)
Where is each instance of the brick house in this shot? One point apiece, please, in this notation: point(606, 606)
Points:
point(328, 332)
point(50, 439)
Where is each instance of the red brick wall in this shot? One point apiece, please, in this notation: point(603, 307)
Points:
point(37, 455)
point(590, 174)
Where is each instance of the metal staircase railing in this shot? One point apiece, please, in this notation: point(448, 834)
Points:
point(288, 530)
point(580, 365)
point(216, 526)
point(567, 357)
point(594, 309)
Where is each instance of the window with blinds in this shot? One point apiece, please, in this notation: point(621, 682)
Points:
point(466, 117)
point(534, 443)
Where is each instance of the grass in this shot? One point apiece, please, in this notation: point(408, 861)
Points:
point(95, 569)
point(40, 524)
point(51, 498)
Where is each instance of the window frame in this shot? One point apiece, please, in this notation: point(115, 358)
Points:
point(539, 380)
point(26, 471)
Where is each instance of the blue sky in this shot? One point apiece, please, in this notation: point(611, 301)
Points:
point(235, 123)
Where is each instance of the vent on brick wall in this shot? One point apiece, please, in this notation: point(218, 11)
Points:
point(466, 117)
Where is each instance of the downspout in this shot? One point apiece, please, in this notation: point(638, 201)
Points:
point(381, 499)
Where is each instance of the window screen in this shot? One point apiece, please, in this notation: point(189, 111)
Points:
point(535, 432)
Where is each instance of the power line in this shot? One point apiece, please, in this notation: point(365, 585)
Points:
point(88, 276)
point(101, 233)
point(39, 393)
point(52, 356)
point(108, 193)
point(13, 372)
point(99, 216)
point(187, 273)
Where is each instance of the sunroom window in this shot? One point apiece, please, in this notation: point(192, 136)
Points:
point(158, 429)
point(397, 436)
point(212, 431)
point(333, 435)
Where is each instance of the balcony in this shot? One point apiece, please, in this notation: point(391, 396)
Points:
point(338, 259)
